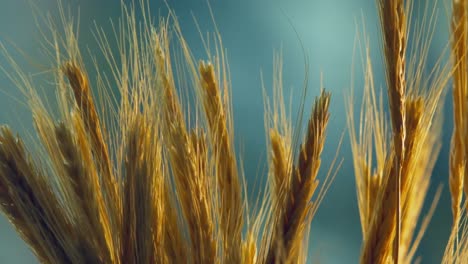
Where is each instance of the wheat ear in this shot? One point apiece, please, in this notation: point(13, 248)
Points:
point(393, 19)
point(459, 149)
point(231, 207)
point(79, 84)
point(291, 222)
point(31, 205)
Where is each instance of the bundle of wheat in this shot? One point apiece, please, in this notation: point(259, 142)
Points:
point(140, 182)
point(149, 179)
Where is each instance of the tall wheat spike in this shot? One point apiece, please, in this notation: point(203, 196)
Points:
point(137, 181)
point(456, 250)
point(391, 196)
point(458, 154)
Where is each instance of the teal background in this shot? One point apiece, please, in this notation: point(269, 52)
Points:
point(252, 30)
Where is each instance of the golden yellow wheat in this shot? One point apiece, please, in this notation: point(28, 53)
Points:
point(153, 180)
point(391, 195)
point(144, 184)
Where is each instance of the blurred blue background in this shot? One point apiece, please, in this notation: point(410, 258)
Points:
point(252, 30)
